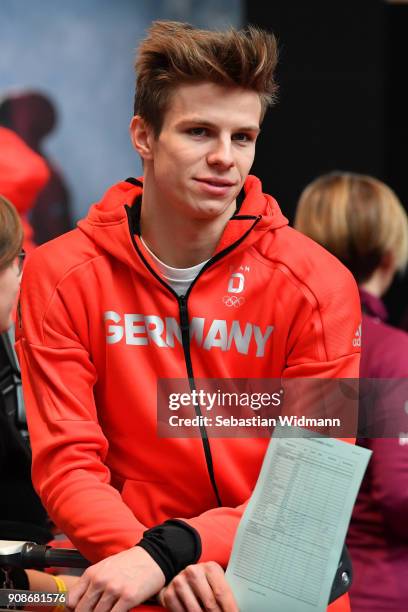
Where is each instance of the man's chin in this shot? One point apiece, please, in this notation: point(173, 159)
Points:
point(214, 209)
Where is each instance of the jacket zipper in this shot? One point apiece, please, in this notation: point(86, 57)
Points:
point(185, 337)
point(185, 332)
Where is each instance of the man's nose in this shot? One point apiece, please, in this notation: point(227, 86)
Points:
point(221, 153)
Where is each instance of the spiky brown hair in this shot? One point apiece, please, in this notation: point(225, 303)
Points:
point(176, 53)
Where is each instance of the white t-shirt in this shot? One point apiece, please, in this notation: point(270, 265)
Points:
point(179, 279)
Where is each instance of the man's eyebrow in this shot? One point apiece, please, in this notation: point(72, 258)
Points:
point(249, 128)
point(209, 124)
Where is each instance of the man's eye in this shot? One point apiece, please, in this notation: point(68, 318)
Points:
point(197, 131)
point(242, 137)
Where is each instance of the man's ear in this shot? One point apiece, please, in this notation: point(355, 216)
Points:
point(142, 137)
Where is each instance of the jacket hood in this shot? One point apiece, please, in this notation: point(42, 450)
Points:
point(107, 223)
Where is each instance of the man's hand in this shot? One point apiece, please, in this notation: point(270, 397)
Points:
point(199, 587)
point(117, 583)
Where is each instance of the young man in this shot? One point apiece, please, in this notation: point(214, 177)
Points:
point(142, 290)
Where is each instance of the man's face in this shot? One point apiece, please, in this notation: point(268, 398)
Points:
point(205, 149)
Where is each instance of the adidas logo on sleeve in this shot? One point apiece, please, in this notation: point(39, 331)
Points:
point(357, 337)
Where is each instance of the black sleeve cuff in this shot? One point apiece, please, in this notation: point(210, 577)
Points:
point(173, 545)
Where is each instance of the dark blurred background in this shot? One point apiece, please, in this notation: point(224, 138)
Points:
point(342, 102)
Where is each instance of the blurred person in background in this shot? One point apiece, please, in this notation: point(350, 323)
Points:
point(361, 221)
point(32, 115)
point(23, 174)
point(21, 513)
point(22, 516)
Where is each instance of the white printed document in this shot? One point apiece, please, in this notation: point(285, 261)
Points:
point(289, 541)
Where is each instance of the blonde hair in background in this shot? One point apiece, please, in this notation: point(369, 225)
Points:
point(357, 218)
point(176, 53)
point(11, 233)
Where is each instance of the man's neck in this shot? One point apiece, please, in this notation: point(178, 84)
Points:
point(177, 240)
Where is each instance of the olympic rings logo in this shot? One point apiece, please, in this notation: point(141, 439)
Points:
point(233, 301)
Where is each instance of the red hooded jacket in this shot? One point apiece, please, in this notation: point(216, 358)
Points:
point(99, 325)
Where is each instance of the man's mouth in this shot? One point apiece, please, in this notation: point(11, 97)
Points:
point(214, 186)
point(215, 181)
